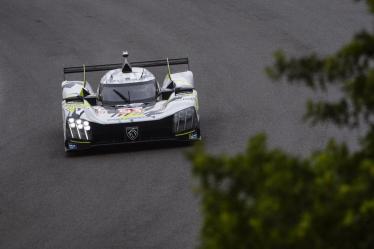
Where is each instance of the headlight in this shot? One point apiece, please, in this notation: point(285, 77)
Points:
point(79, 129)
point(185, 120)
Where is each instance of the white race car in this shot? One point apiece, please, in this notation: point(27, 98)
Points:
point(129, 105)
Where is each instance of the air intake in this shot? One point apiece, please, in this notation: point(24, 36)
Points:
point(126, 68)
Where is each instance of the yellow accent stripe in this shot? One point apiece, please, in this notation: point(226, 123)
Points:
point(80, 142)
point(182, 134)
point(169, 71)
point(84, 75)
point(84, 80)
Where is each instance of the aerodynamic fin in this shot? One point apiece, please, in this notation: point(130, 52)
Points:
point(106, 67)
point(126, 67)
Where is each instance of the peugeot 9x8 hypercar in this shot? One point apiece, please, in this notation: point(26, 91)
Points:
point(129, 105)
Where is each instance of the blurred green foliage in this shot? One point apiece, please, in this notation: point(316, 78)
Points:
point(266, 198)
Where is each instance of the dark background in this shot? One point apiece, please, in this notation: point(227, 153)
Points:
point(141, 197)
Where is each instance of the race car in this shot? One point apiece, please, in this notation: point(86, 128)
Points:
point(129, 105)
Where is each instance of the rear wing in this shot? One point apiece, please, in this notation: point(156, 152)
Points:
point(106, 67)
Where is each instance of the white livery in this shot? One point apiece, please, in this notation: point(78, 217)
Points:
point(129, 105)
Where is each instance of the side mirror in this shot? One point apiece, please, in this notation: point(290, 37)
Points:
point(92, 99)
point(85, 92)
point(184, 90)
point(165, 93)
point(76, 98)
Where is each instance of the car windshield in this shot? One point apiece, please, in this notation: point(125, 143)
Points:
point(118, 94)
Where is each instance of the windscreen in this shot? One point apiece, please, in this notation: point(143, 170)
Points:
point(118, 94)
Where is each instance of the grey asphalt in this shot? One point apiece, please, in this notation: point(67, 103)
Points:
point(142, 197)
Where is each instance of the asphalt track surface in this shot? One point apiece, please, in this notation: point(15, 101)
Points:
point(140, 197)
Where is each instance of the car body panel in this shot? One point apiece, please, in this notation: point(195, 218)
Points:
point(101, 117)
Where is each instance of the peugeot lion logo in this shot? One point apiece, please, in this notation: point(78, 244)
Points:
point(132, 133)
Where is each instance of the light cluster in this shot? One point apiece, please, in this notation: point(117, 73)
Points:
point(185, 120)
point(79, 128)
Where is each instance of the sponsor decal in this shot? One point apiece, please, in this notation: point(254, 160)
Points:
point(100, 110)
point(174, 99)
point(193, 135)
point(152, 113)
point(71, 107)
point(132, 115)
point(132, 132)
point(128, 113)
point(189, 98)
point(72, 146)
